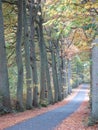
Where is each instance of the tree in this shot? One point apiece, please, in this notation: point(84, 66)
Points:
point(57, 48)
point(33, 14)
point(54, 73)
point(27, 59)
point(49, 88)
point(19, 104)
point(4, 83)
point(69, 76)
point(94, 76)
point(63, 71)
point(45, 87)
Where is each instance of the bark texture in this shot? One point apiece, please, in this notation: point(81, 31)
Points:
point(54, 74)
point(27, 59)
point(69, 77)
point(33, 14)
point(19, 104)
point(4, 83)
point(95, 80)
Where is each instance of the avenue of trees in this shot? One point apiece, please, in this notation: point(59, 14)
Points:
point(46, 49)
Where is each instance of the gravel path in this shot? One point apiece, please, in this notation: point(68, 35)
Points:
point(50, 119)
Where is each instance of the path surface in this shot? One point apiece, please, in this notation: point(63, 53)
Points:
point(50, 119)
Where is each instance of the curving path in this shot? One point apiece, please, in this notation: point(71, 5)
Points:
point(50, 119)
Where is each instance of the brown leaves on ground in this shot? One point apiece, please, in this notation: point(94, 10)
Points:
point(76, 121)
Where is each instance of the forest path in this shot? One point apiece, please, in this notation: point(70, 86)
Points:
point(50, 119)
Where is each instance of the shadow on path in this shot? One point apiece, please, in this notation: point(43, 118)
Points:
point(50, 119)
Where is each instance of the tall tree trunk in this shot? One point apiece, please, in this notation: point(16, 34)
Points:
point(90, 96)
point(54, 74)
point(64, 75)
point(4, 83)
point(49, 91)
point(43, 80)
point(59, 72)
point(27, 59)
point(69, 77)
point(43, 69)
point(45, 86)
point(49, 88)
point(77, 72)
point(19, 58)
point(64, 71)
point(33, 13)
point(95, 80)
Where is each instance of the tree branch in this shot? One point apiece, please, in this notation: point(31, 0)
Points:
point(10, 2)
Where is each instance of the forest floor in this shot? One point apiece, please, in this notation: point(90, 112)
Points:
point(77, 120)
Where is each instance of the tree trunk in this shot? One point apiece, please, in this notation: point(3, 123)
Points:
point(27, 60)
point(95, 80)
point(19, 105)
point(90, 96)
point(54, 74)
point(4, 83)
point(49, 88)
point(43, 80)
point(69, 77)
point(77, 72)
point(43, 69)
point(33, 13)
point(59, 72)
point(49, 91)
point(45, 76)
point(64, 75)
